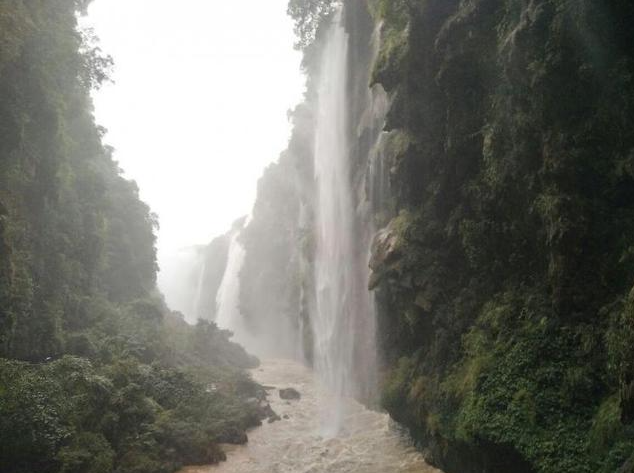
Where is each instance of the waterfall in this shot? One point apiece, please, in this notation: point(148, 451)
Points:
point(378, 180)
point(228, 298)
point(343, 323)
point(198, 298)
point(180, 280)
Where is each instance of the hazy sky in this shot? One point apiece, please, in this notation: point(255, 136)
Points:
point(199, 105)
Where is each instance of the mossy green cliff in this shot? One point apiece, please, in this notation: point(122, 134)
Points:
point(506, 315)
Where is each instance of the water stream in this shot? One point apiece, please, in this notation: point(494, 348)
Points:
point(343, 322)
point(198, 299)
point(228, 314)
point(368, 442)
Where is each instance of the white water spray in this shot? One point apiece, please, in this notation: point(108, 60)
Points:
point(343, 323)
point(180, 279)
point(228, 314)
point(198, 300)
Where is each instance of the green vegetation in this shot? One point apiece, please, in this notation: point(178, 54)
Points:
point(506, 315)
point(308, 15)
point(78, 415)
point(96, 374)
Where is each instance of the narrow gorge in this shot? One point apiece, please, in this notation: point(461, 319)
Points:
point(437, 273)
point(446, 235)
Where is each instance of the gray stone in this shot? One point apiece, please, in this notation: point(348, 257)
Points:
point(290, 394)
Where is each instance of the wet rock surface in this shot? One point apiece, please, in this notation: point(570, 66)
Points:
point(385, 253)
point(290, 394)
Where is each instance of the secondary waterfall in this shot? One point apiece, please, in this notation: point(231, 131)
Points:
point(228, 299)
point(180, 280)
point(343, 322)
point(198, 299)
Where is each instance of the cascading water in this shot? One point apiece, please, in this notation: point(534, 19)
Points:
point(198, 299)
point(343, 322)
point(228, 314)
point(327, 430)
point(378, 174)
point(180, 280)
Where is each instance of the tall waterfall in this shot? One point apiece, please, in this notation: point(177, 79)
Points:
point(343, 322)
point(228, 314)
point(198, 298)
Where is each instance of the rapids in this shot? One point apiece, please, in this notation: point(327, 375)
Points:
point(368, 442)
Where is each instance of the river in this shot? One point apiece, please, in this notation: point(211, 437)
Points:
point(370, 442)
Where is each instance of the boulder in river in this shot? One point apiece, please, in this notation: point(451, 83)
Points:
point(289, 394)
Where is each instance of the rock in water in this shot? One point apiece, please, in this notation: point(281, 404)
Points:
point(289, 394)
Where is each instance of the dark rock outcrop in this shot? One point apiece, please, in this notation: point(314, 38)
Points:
point(290, 394)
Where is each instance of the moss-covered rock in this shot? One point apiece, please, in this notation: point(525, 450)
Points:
point(504, 312)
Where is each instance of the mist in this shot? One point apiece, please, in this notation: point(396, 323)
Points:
point(190, 84)
point(326, 236)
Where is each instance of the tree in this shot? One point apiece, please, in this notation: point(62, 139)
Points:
point(307, 15)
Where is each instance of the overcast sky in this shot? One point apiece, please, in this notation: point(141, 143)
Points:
point(199, 104)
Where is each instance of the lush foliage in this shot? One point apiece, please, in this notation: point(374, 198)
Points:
point(506, 316)
point(308, 15)
point(91, 415)
point(96, 374)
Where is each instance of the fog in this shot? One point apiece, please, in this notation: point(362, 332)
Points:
point(197, 108)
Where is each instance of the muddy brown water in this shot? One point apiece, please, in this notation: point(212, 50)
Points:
point(370, 442)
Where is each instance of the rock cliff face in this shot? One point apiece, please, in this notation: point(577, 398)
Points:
point(498, 192)
point(505, 288)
